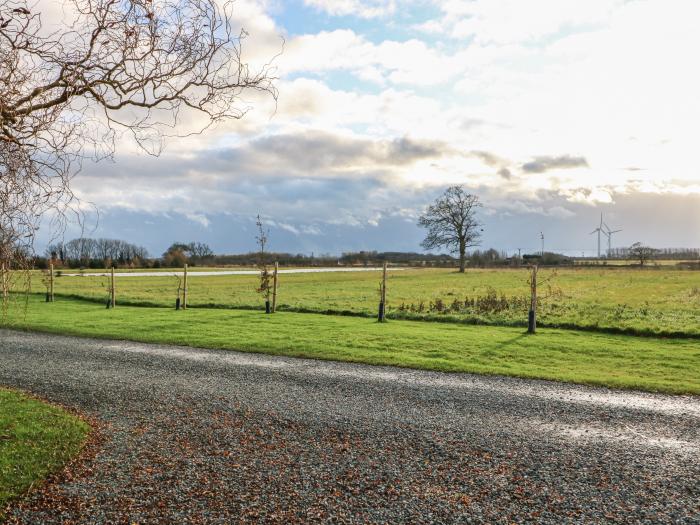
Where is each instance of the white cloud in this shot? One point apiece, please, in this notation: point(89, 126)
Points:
point(360, 8)
point(408, 62)
point(199, 218)
point(286, 227)
point(515, 21)
point(310, 229)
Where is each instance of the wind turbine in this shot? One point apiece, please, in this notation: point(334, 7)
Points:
point(599, 230)
point(609, 233)
point(542, 238)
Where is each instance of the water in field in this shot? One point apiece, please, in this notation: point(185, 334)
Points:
point(212, 273)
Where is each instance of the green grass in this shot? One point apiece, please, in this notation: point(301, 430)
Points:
point(646, 363)
point(654, 301)
point(36, 439)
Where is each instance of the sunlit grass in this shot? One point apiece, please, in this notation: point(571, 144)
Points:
point(647, 363)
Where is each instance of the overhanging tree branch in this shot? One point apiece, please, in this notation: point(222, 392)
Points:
point(112, 66)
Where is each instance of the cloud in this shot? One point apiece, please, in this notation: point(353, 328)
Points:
point(311, 229)
point(284, 226)
point(360, 8)
point(301, 180)
point(311, 103)
point(545, 163)
point(199, 218)
point(559, 212)
point(408, 62)
point(529, 207)
point(505, 173)
point(513, 21)
point(316, 153)
point(590, 196)
point(489, 158)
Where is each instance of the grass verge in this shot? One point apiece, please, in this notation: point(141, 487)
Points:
point(652, 364)
point(36, 439)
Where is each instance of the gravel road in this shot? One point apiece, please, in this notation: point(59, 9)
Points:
point(202, 436)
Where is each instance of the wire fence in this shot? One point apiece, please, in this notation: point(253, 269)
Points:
point(665, 302)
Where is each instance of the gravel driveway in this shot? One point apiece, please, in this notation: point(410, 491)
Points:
point(194, 436)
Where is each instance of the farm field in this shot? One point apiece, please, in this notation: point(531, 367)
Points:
point(645, 363)
point(36, 439)
point(654, 301)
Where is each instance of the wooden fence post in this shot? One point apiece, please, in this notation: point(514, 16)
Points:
point(184, 290)
point(382, 300)
point(384, 283)
point(532, 314)
point(113, 291)
point(51, 282)
point(274, 288)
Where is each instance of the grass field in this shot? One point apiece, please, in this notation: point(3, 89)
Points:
point(647, 363)
point(659, 301)
point(36, 439)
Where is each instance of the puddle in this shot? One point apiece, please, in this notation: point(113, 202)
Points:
point(621, 435)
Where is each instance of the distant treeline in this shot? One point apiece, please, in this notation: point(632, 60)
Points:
point(103, 253)
point(477, 258)
point(95, 253)
point(374, 258)
point(669, 254)
point(362, 258)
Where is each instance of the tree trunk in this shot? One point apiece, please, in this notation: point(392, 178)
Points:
point(462, 258)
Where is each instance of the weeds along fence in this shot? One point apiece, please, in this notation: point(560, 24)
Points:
point(635, 302)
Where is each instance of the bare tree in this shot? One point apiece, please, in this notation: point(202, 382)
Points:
point(640, 252)
point(69, 88)
point(95, 252)
point(191, 250)
point(452, 223)
point(199, 250)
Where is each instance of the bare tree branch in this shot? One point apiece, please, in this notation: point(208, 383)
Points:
point(113, 66)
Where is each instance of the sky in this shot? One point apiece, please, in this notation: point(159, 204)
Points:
point(551, 111)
